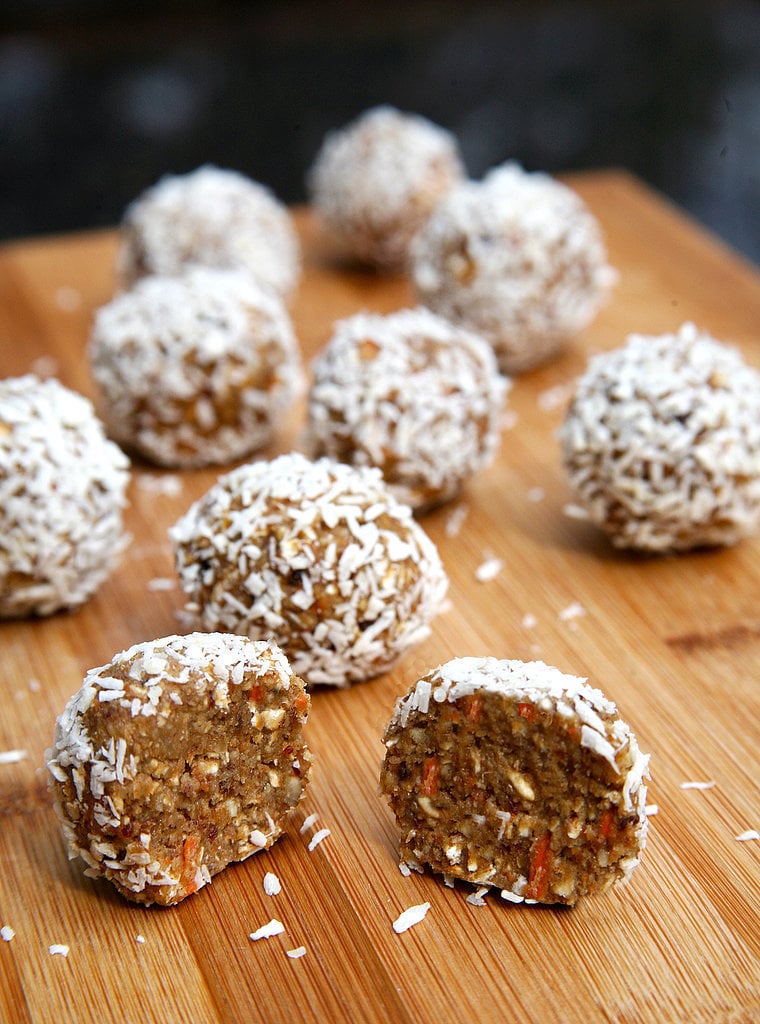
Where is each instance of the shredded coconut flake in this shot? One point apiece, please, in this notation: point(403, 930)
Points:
point(699, 785)
point(410, 917)
point(297, 953)
point(489, 569)
point(7, 933)
point(318, 837)
point(744, 837)
point(572, 611)
point(58, 949)
point(271, 883)
point(307, 823)
point(13, 756)
point(267, 931)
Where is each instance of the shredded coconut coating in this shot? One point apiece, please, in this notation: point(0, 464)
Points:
point(516, 775)
point(661, 442)
point(196, 369)
point(62, 492)
point(411, 394)
point(213, 217)
point(180, 756)
point(516, 257)
point(317, 555)
point(375, 181)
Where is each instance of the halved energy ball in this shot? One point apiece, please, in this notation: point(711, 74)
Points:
point(316, 554)
point(179, 757)
point(515, 775)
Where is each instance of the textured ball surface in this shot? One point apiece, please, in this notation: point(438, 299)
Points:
point(411, 394)
point(197, 369)
point(375, 181)
point(214, 217)
point(62, 491)
point(661, 443)
point(317, 555)
point(516, 257)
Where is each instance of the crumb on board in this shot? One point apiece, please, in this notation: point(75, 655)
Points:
point(409, 917)
point(572, 611)
point(161, 583)
point(455, 520)
point(266, 931)
point(308, 821)
point(7, 933)
point(140, 939)
point(297, 953)
point(271, 883)
point(745, 837)
point(13, 756)
point(709, 784)
point(489, 568)
point(317, 838)
point(58, 949)
point(475, 899)
point(651, 810)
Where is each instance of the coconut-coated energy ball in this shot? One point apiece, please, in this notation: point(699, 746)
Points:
point(661, 442)
point(215, 217)
point(197, 369)
point(375, 181)
point(317, 555)
point(179, 757)
point(412, 394)
point(516, 257)
point(62, 492)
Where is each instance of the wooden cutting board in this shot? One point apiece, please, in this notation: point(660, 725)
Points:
point(674, 641)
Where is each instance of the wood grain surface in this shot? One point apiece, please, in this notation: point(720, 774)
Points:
point(675, 641)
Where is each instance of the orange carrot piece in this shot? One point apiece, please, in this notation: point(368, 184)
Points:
point(540, 867)
point(431, 773)
point(526, 711)
point(474, 708)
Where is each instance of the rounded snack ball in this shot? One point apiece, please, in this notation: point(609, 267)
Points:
point(412, 394)
point(661, 443)
point(179, 757)
point(515, 775)
point(317, 555)
point(375, 181)
point(516, 257)
point(195, 370)
point(62, 491)
point(213, 217)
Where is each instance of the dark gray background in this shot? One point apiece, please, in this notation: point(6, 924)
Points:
point(98, 99)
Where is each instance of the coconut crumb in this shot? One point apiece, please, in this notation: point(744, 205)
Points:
point(317, 838)
point(475, 899)
point(140, 939)
point(308, 821)
point(13, 756)
point(267, 931)
point(489, 569)
point(456, 520)
point(410, 917)
point(529, 621)
point(651, 809)
point(161, 583)
point(751, 833)
point(7, 933)
point(699, 785)
point(572, 611)
point(297, 953)
point(58, 949)
point(272, 884)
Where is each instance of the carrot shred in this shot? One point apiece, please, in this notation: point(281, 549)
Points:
point(607, 827)
point(474, 708)
point(540, 867)
point(431, 772)
point(526, 711)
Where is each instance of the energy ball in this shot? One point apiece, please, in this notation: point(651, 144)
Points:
point(412, 394)
point(514, 775)
point(375, 181)
point(197, 369)
point(214, 217)
point(316, 554)
point(179, 757)
point(661, 443)
point(62, 492)
point(516, 257)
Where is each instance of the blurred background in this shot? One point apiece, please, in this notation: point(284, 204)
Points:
point(100, 98)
